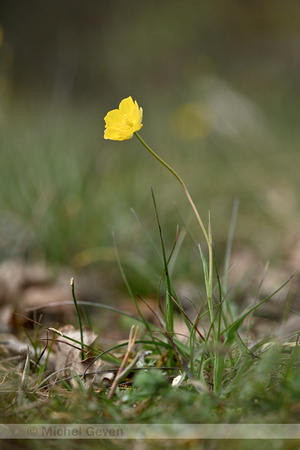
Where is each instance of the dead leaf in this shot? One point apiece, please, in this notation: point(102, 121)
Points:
point(11, 345)
point(68, 353)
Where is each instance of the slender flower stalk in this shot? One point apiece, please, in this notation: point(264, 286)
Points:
point(206, 236)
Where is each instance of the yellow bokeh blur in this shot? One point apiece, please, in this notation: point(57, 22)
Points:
point(191, 121)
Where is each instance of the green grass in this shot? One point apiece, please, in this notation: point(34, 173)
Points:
point(260, 385)
point(64, 190)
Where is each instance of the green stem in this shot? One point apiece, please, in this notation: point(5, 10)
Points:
point(78, 315)
point(206, 236)
point(180, 181)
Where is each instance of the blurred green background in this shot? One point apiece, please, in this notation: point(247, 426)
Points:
point(219, 85)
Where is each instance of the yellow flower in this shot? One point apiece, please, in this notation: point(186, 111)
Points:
point(123, 122)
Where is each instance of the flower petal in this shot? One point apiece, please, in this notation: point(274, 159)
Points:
point(115, 135)
point(126, 106)
point(113, 117)
point(137, 114)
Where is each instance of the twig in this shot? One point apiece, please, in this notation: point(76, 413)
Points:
point(121, 372)
point(24, 377)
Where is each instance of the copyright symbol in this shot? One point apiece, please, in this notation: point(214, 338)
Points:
point(32, 431)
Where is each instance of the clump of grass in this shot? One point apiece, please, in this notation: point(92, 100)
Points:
point(209, 353)
point(214, 373)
